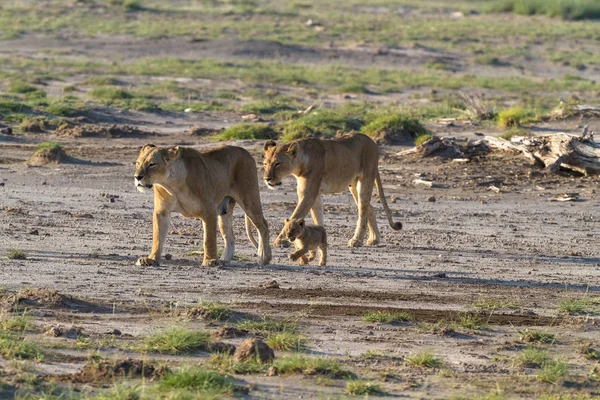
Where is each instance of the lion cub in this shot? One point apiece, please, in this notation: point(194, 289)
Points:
point(306, 239)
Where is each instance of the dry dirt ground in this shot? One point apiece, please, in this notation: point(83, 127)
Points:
point(475, 269)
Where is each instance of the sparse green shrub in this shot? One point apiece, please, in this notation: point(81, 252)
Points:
point(536, 336)
point(16, 347)
point(533, 357)
point(225, 363)
point(322, 123)
point(553, 371)
point(469, 321)
point(286, 341)
point(266, 325)
point(514, 117)
point(422, 138)
point(298, 364)
point(176, 341)
point(211, 312)
point(393, 127)
point(249, 132)
point(361, 388)
point(424, 359)
point(17, 323)
point(111, 93)
point(387, 317)
point(198, 379)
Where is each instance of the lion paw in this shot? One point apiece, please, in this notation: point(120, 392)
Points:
point(354, 243)
point(322, 264)
point(372, 241)
point(303, 261)
point(146, 262)
point(210, 263)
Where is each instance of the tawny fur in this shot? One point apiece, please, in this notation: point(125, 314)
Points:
point(326, 167)
point(207, 186)
point(306, 239)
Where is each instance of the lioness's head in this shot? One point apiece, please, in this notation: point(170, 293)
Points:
point(279, 162)
point(151, 165)
point(293, 228)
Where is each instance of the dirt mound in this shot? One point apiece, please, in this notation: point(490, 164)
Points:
point(91, 130)
point(198, 130)
point(108, 370)
point(39, 298)
point(251, 348)
point(49, 155)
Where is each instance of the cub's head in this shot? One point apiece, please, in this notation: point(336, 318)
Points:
point(151, 165)
point(280, 161)
point(293, 228)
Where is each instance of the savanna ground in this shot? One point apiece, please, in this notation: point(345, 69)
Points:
point(482, 295)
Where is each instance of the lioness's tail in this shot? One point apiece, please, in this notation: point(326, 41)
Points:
point(395, 225)
point(249, 226)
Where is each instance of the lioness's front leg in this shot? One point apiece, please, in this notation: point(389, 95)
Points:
point(160, 226)
point(209, 222)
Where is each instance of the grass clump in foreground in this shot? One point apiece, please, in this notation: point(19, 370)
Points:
point(16, 347)
point(210, 312)
point(424, 359)
point(225, 363)
point(287, 341)
point(469, 321)
point(17, 323)
point(298, 364)
point(197, 379)
point(514, 117)
point(393, 127)
point(249, 132)
point(566, 9)
point(16, 254)
point(578, 306)
point(535, 336)
point(387, 317)
point(21, 87)
point(532, 357)
point(176, 341)
point(360, 388)
point(553, 371)
point(266, 325)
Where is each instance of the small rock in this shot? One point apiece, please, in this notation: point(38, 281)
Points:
point(34, 232)
point(431, 199)
point(44, 183)
point(270, 284)
point(168, 256)
point(74, 332)
point(254, 348)
point(393, 199)
point(54, 331)
point(7, 131)
point(115, 332)
point(440, 275)
point(1, 183)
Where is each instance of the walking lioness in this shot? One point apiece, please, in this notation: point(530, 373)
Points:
point(202, 185)
point(330, 166)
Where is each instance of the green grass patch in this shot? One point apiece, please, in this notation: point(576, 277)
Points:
point(390, 126)
point(588, 352)
point(532, 357)
point(210, 312)
point(387, 317)
point(266, 107)
point(111, 93)
point(354, 87)
point(21, 87)
point(47, 146)
point(514, 131)
point(34, 124)
point(16, 254)
point(298, 364)
point(537, 336)
point(515, 117)
point(364, 388)
point(322, 123)
point(425, 359)
point(287, 341)
point(225, 363)
point(566, 9)
point(16, 347)
point(471, 322)
point(573, 305)
point(17, 323)
point(490, 60)
point(267, 326)
point(176, 341)
point(492, 304)
point(102, 81)
point(197, 379)
point(419, 140)
point(249, 132)
point(553, 371)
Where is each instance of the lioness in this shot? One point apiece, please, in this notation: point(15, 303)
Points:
point(330, 166)
point(306, 239)
point(202, 185)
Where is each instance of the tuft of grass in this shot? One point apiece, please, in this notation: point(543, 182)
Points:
point(34, 124)
point(514, 131)
point(211, 312)
point(490, 60)
point(354, 87)
point(476, 108)
point(198, 379)
point(492, 304)
point(287, 341)
point(514, 117)
point(47, 146)
point(573, 305)
point(532, 357)
point(393, 125)
point(553, 371)
point(266, 107)
point(322, 123)
point(16, 254)
point(266, 326)
point(470, 321)
point(102, 81)
point(16, 347)
point(111, 93)
point(588, 352)
point(536, 336)
point(249, 132)
point(424, 359)
point(419, 140)
point(298, 364)
point(21, 87)
point(566, 9)
point(387, 317)
point(17, 323)
point(225, 363)
point(65, 108)
point(132, 5)
point(360, 388)
point(176, 341)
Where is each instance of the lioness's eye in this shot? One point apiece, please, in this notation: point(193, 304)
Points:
point(151, 165)
point(277, 164)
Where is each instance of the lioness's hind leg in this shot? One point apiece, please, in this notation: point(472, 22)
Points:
point(374, 235)
point(323, 256)
point(209, 222)
point(226, 228)
point(251, 206)
point(365, 189)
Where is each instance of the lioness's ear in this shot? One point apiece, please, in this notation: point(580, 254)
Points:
point(292, 150)
point(301, 222)
point(147, 147)
point(170, 153)
point(269, 144)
